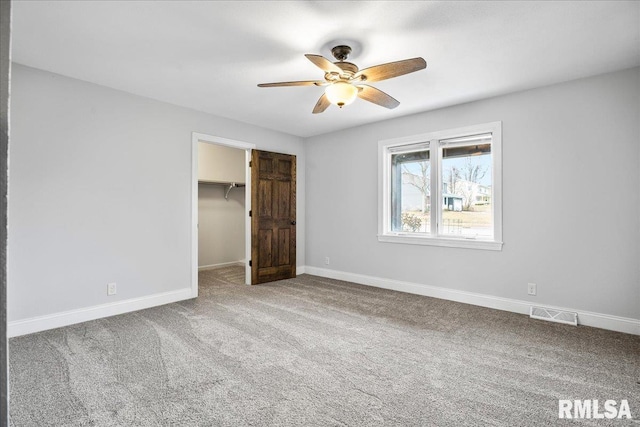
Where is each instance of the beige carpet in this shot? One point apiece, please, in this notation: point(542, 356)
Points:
point(316, 352)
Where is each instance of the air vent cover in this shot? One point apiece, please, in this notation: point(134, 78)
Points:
point(551, 315)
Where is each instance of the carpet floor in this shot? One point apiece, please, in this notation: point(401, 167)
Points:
point(312, 351)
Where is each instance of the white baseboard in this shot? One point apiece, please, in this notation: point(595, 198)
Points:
point(71, 317)
point(586, 318)
point(222, 264)
point(300, 269)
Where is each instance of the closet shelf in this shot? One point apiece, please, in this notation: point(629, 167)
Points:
point(229, 186)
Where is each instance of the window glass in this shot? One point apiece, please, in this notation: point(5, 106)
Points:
point(410, 192)
point(466, 190)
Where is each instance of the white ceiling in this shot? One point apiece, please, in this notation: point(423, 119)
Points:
point(211, 55)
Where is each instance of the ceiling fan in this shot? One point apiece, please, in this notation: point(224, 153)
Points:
point(345, 82)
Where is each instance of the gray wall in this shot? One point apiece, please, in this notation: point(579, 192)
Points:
point(571, 205)
point(221, 234)
point(100, 192)
point(5, 77)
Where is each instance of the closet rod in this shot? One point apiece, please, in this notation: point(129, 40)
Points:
point(229, 184)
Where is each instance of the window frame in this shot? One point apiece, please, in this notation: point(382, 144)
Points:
point(434, 140)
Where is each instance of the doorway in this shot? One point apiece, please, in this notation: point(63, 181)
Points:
point(270, 186)
point(218, 181)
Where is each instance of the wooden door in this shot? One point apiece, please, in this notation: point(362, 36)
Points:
point(273, 216)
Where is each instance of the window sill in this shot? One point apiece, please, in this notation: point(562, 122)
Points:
point(408, 239)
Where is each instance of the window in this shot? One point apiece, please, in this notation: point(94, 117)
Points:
point(443, 188)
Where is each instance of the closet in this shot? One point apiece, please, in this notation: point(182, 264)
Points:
point(221, 205)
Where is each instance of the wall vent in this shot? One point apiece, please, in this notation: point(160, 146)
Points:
point(551, 315)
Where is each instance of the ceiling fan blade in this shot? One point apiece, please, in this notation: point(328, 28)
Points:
point(300, 83)
point(322, 104)
point(323, 63)
point(371, 94)
point(391, 69)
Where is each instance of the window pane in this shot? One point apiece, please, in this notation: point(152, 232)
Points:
point(410, 192)
point(466, 190)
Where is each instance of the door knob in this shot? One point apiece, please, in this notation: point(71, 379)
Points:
point(293, 223)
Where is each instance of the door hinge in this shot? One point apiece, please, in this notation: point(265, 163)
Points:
point(250, 263)
point(249, 213)
point(249, 163)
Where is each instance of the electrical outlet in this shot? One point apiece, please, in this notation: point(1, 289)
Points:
point(111, 288)
point(532, 288)
point(326, 260)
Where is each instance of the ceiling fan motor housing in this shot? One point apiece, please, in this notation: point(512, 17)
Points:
point(349, 70)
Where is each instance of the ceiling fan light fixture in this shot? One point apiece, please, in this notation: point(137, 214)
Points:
point(341, 93)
